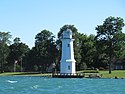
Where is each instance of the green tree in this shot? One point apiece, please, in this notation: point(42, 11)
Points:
point(44, 52)
point(18, 51)
point(32, 59)
point(4, 41)
point(16, 40)
point(109, 35)
point(87, 49)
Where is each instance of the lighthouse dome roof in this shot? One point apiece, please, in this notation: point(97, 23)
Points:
point(69, 30)
point(67, 33)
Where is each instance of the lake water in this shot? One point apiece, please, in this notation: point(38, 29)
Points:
point(41, 85)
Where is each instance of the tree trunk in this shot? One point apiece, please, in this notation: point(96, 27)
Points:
point(110, 56)
point(110, 67)
point(2, 61)
point(1, 67)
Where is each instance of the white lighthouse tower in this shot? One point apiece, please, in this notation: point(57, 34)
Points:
point(67, 63)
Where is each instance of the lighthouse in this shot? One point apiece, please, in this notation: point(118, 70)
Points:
point(67, 63)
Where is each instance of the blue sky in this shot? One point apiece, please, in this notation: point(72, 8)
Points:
point(26, 18)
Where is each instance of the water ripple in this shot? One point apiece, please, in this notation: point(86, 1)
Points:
point(10, 81)
point(38, 85)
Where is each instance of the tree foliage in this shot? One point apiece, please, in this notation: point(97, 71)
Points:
point(18, 50)
point(109, 35)
point(90, 51)
point(44, 53)
point(4, 41)
point(87, 49)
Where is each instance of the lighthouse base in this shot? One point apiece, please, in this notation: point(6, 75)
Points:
point(66, 75)
point(67, 67)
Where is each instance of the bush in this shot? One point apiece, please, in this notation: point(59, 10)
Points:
point(35, 68)
point(83, 66)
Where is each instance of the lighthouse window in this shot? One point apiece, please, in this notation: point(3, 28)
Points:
point(68, 45)
point(68, 67)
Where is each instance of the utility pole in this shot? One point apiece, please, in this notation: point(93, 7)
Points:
point(21, 65)
point(15, 62)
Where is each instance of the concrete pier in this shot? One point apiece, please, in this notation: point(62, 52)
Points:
point(68, 75)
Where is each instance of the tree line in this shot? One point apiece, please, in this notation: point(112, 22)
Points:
point(90, 51)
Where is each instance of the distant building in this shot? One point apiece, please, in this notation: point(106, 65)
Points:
point(119, 64)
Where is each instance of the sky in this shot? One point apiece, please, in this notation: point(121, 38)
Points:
point(26, 18)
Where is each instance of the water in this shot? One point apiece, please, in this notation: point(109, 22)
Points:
point(41, 85)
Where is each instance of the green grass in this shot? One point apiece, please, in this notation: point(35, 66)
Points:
point(88, 71)
point(115, 73)
point(105, 74)
point(24, 74)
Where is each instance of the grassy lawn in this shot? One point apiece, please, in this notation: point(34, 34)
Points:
point(24, 74)
point(118, 73)
point(105, 74)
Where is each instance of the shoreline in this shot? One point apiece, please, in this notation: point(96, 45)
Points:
point(58, 78)
point(104, 74)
